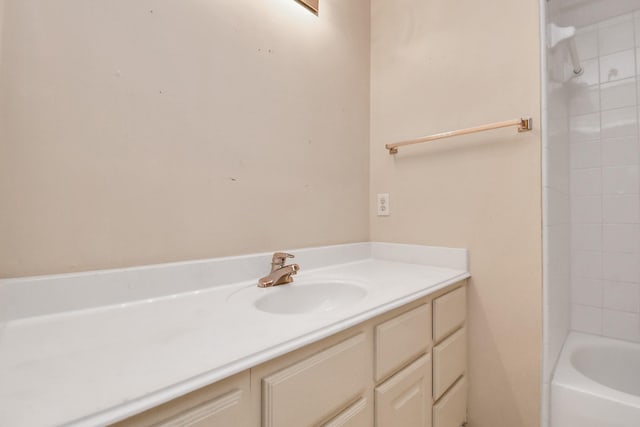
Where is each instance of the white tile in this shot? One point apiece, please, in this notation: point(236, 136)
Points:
point(585, 155)
point(621, 267)
point(620, 180)
point(585, 100)
point(590, 75)
point(587, 264)
point(621, 209)
point(586, 209)
point(638, 85)
point(546, 160)
point(586, 237)
point(636, 18)
point(621, 238)
point(559, 292)
point(558, 168)
point(559, 321)
point(584, 28)
point(558, 253)
point(617, 66)
point(620, 151)
point(617, 19)
point(586, 291)
point(587, 44)
point(618, 324)
point(617, 94)
point(621, 296)
point(586, 319)
point(616, 36)
point(558, 127)
point(559, 207)
point(586, 182)
point(545, 411)
point(585, 127)
point(557, 105)
point(619, 122)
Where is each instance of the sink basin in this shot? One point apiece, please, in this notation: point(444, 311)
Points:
point(310, 298)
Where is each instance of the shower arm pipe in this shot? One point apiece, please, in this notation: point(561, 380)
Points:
point(575, 59)
point(523, 125)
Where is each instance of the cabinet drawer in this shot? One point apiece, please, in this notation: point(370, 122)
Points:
point(309, 391)
point(449, 362)
point(405, 399)
point(357, 415)
point(449, 312)
point(402, 339)
point(451, 410)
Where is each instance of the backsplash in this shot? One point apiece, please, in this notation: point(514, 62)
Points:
point(43, 295)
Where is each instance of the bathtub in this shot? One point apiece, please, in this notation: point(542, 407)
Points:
point(596, 383)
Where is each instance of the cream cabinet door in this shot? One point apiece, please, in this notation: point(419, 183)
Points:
point(313, 389)
point(449, 362)
point(224, 404)
point(405, 399)
point(402, 339)
point(356, 415)
point(451, 410)
point(449, 313)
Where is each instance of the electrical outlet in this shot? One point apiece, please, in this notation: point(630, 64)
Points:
point(384, 207)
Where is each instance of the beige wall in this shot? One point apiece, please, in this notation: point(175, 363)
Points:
point(439, 65)
point(158, 130)
point(1, 34)
point(1, 27)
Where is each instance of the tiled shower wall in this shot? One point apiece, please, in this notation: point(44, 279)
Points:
point(605, 181)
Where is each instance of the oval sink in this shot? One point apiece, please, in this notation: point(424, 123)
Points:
point(310, 298)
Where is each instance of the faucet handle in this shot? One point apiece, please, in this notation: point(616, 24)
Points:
point(280, 258)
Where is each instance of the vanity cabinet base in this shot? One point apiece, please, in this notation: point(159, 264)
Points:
point(384, 372)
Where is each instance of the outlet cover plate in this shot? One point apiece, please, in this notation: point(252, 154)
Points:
point(383, 205)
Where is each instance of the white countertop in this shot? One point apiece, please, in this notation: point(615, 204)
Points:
point(101, 364)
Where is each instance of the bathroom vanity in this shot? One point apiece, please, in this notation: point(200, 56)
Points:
point(402, 368)
point(377, 339)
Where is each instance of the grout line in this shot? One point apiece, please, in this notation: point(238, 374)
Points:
point(601, 273)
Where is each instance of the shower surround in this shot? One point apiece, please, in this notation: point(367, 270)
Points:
point(605, 183)
point(591, 178)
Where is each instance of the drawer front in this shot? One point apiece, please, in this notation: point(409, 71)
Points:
point(449, 362)
point(405, 399)
point(449, 313)
point(451, 410)
point(309, 391)
point(402, 339)
point(357, 415)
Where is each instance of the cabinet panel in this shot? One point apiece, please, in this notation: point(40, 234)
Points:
point(449, 313)
point(451, 410)
point(356, 415)
point(222, 411)
point(224, 404)
point(331, 383)
point(405, 399)
point(449, 362)
point(401, 339)
point(311, 390)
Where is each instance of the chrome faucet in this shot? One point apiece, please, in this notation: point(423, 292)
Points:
point(280, 273)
